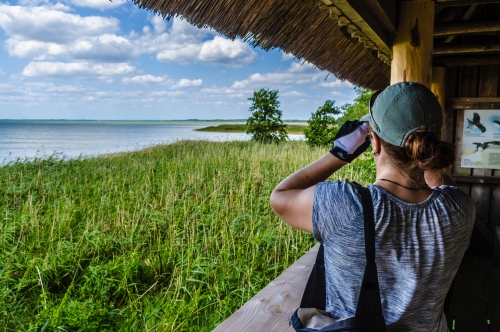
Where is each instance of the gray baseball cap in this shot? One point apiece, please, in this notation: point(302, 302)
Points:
point(402, 108)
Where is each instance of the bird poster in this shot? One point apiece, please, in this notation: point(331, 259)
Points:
point(481, 139)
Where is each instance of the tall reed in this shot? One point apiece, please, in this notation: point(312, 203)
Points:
point(171, 238)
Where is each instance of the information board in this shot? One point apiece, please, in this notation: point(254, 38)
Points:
point(481, 139)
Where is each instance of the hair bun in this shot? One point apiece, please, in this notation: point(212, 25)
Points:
point(427, 151)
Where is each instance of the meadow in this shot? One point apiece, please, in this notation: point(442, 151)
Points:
point(170, 238)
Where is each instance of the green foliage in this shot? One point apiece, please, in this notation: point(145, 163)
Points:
point(357, 109)
point(320, 126)
point(265, 124)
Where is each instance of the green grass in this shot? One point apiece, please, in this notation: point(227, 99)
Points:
point(240, 128)
point(171, 238)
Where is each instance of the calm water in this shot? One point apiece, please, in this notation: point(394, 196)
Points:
point(29, 139)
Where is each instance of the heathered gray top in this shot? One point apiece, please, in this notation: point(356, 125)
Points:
point(419, 248)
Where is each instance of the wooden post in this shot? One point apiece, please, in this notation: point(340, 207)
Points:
point(412, 51)
point(438, 87)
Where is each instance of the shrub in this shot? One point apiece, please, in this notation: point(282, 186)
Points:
point(319, 131)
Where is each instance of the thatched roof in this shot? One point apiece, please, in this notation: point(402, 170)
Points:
point(299, 27)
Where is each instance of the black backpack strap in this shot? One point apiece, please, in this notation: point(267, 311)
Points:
point(369, 303)
point(315, 291)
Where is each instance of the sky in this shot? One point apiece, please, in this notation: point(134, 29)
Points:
point(103, 60)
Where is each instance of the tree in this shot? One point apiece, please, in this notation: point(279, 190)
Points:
point(320, 127)
point(357, 109)
point(265, 124)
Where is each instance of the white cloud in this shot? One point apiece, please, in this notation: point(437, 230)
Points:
point(227, 92)
point(52, 26)
point(185, 83)
point(185, 44)
point(146, 80)
point(166, 93)
point(287, 56)
point(159, 24)
point(183, 54)
point(76, 70)
point(293, 94)
point(221, 51)
point(106, 48)
point(97, 4)
point(295, 74)
point(335, 84)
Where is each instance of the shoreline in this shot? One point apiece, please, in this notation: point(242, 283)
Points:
point(292, 129)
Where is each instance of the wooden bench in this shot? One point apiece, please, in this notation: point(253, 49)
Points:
point(271, 308)
point(474, 306)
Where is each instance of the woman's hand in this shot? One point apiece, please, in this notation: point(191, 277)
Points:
point(351, 140)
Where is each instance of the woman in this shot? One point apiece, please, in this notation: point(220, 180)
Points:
point(423, 222)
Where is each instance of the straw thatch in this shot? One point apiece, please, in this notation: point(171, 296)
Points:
point(299, 27)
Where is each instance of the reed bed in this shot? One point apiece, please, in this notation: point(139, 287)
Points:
point(171, 238)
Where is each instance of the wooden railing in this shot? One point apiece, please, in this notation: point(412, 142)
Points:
point(271, 308)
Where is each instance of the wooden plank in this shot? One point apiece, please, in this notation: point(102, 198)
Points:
point(451, 3)
point(492, 286)
point(271, 308)
point(465, 27)
point(488, 83)
point(477, 179)
point(467, 105)
point(494, 209)
point(497, 247)
point(466, 60)
point(461, 48)
point(470, 298)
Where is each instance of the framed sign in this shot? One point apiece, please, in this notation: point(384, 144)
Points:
point(481, 139)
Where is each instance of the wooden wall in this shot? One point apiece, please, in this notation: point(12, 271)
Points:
point(473, 87)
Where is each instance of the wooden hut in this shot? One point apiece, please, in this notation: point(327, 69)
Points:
point(451, 46)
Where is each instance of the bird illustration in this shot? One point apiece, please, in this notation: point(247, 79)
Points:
point(485, 145)
point(476, 121)
point(497, 122)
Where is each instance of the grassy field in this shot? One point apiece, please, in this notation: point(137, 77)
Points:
point(171, 238)
point(240, 128)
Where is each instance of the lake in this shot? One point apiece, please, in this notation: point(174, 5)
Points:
point(20, 139)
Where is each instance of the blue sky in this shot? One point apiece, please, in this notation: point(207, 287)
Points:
point(97, 59)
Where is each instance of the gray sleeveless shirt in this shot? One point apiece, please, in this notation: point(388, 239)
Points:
point(419, 248)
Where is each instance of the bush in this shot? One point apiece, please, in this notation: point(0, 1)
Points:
point(319, 131)
point(265, 124)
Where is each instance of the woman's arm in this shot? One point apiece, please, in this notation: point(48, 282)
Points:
point(292, 199)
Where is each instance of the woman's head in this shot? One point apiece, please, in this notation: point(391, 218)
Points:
point(407, 118)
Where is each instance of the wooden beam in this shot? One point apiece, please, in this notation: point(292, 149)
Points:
point(463, 48)
point(472, 11)
point(466, 27)
point(473, 103)
point(412, 50)
point(438, 87)
point(485, 179)
point(362, 17)
point(385, 11)
point(452, 3)
point(466, 60)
